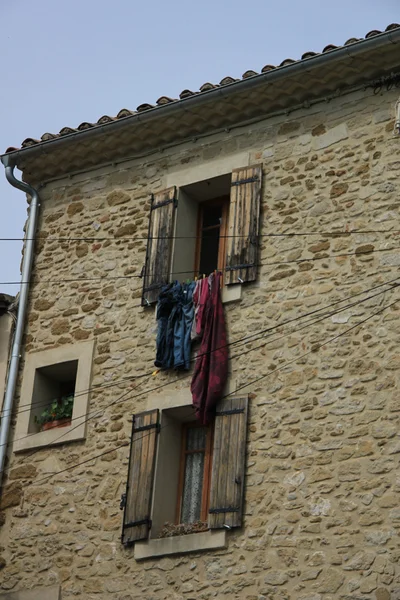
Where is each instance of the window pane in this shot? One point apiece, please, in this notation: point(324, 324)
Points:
point(196, 438)
point(212, 216)
point(209, 251)
point(192, 488)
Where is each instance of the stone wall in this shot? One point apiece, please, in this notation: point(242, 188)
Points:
point(322, 484)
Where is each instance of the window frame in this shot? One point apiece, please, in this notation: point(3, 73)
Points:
point(205, 495)
point(224, 202)
point(81, 352)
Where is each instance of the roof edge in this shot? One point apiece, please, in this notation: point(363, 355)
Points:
point(310, 63)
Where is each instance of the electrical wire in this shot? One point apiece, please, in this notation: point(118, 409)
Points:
point(123, 396)
point(245, 339)
point(139, 276)
point(192, 237)
point(231, 393)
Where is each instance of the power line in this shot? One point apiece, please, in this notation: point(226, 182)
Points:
point(231, 393)
point(139, 276)
point(244, 339)
point(128, 237)
point(123, 396)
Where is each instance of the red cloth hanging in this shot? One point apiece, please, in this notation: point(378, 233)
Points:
point(211, 367)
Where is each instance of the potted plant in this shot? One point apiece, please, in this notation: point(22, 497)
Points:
point(58, 414)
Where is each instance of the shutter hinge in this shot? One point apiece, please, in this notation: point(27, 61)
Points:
point(122, 503)
point(216, 511)
point(165, 203)
point(154, 286)
point(146, 427)
point(236, 267)
point(248, 180)
point(232, 411)
point(138, 523)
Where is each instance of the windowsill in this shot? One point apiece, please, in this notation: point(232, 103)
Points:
point(58, 435)
point(180, 544)
point(231, 293)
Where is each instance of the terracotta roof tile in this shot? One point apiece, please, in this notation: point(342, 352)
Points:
point(308, 55)
point(186, 94)
point(351, 41)
point(105, 119)
point(163, 100)
point(67, 130)
point(85, 125)
point(227, 80)
point(248, 74)
point(125, 112)
point(330, 47)
point(144, 106)
point(48, 136)
point(206, 87)
point(372, 33)
point(268, 68)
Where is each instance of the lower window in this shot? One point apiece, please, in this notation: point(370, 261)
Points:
point(195, 472)
point(181, 473)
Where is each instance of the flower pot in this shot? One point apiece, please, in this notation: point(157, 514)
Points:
point(57, 423)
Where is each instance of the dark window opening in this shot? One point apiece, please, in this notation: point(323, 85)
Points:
point(212, 227)
point(51, 383)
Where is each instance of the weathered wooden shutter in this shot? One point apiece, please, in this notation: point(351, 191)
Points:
point(227, 477)
point(159, 244)
point(243, 225)
point(139, 487)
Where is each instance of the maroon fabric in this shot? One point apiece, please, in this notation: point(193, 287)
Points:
point(200, 297)
point(211, 368)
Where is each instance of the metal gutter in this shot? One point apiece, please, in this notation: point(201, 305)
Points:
point(22, 308)
point(349, 52)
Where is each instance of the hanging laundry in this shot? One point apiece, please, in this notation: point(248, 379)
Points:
point(211, 367)
point(175, 314)
point(200, 295)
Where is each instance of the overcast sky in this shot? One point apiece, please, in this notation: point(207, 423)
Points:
point(68, 61)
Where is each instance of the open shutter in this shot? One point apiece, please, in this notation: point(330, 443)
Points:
point(243, 225)
point(139, 487)
point(227, 477)
point(159, 244)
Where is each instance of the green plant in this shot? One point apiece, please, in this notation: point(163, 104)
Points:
point(60, 408)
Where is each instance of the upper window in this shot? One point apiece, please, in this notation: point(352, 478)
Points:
point(211, 239)
point(202, 227)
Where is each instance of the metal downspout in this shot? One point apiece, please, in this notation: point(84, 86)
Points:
point(23, 302)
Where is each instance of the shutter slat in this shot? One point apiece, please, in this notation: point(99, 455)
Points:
point(159, 244)
point(243, 228)
point(227, 478)
point(136, 522)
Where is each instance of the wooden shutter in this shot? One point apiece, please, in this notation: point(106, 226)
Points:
point(159, 244)
point(139, 487)
point(243, 225)
point(228, 463)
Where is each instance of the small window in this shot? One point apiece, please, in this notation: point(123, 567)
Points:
point(193, 495)
point(53, 383)
point(212, 224)
point(55, 390)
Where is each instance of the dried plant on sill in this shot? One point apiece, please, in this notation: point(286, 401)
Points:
point(171, 529)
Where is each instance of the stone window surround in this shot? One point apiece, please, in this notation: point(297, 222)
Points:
point(81, 352)
point(168, 403)
point(190, 176)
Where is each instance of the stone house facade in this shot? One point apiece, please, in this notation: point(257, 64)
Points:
point(314, 339)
